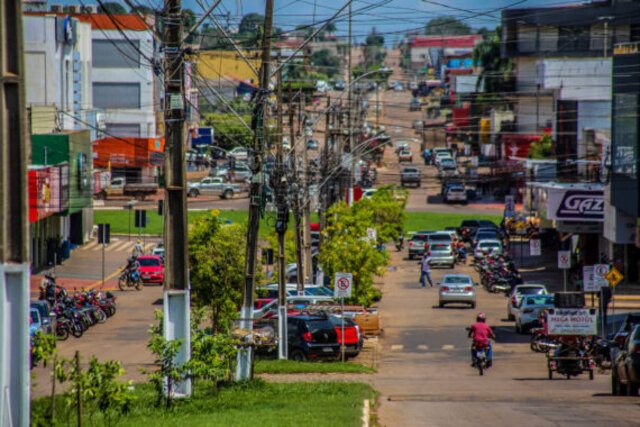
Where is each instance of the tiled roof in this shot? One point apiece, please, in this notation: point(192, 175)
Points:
point(102, 21)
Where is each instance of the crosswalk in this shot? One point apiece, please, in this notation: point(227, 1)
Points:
point(117, 245)
point(421, 347)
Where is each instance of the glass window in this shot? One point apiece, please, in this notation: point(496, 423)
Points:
point(149, 262)
point(116, 95)
point(115, 54)
point(625, 127)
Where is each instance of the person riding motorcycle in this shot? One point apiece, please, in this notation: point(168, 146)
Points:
point(400, 243)
point(480, 332)
point(138, 249)
point(132, 266)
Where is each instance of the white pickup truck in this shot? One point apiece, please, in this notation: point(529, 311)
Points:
point(214, 186)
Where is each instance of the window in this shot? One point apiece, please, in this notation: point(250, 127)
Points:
point(115, 54)
point(625, 128)
point(131, 130)
point(527, 35)
point(574, 38)
point(116, 95)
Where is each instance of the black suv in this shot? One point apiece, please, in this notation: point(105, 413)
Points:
point(311, 337)
point(469, 227)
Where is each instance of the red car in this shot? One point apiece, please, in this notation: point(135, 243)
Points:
point(151, 269)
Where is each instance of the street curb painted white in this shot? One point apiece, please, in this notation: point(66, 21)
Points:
point(365, 413)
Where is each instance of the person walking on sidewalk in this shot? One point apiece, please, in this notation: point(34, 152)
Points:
point(425, 271)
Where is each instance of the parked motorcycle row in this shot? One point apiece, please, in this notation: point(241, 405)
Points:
point(497, 273)
point(76, 313)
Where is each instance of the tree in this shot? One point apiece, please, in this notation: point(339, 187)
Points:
point(374, 39)
point(112, 8)
point(447, 25)
point(328, 64)
point(144, 10)
point(229, 131)
point(542, 149)
point(251, 23)
point(497, 72)
point(188, 19)
point(216, 262)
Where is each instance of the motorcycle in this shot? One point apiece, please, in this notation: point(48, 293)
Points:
point(480, 358)
point(130, 279)
point(462, 256)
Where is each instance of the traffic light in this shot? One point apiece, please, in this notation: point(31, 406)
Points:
point(141, 218)
point(160, 207)
point(104, 233)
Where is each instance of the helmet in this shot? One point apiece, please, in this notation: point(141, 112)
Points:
point(481, 317)
point(50, 275)
point(139, 241)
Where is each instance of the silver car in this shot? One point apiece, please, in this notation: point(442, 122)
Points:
point(457, 288)
point(439, 247)
point(485, 247)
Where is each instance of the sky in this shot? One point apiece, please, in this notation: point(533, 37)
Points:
point(392, 18)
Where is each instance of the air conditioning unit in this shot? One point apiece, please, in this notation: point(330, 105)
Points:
point(89, 8)
point(74, 8)
point(56, 8)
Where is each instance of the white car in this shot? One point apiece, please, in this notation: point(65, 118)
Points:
point(528, 312)
point(485, 247)
point(441, 155)
point(456, 288)
point(240, 153)
point(519, 292)
point(369, 192)
point(456, 193)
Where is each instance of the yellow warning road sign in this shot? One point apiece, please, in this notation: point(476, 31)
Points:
point(614, 277)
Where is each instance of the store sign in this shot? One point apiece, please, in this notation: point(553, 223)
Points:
point(572, 321)
point(578, 227)
point(575, 205)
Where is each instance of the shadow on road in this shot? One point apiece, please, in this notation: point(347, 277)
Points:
point(508, 336)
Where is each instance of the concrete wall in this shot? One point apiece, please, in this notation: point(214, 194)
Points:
point(586, 79)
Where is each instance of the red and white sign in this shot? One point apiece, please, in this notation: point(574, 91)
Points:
point(534, 247)
point(599, 273)
point(572, 321)
point(343, 284)
point(564, 259)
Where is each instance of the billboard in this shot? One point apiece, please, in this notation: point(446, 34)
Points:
point(568, 204)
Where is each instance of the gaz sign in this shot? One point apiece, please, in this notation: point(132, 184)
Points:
point(343, 284)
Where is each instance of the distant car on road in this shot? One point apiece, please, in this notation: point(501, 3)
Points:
point(414, 105)
point(312, 144)
point(528, 312)
point(339, 85)
point(398, 86)
point(485, 247)
point(214, 186)
point(456, 288)
point(417, 244)
point(151, 269)
point(439, 247)
point(405, 156)
point(417, 125)
point(455, 194)
point(240, 153)
point(410, 175)
point(519, 292)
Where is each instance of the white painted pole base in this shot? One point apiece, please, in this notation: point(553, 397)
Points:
point(283, 341)
point(177, 325)
point(14, 347)
point(245, 355)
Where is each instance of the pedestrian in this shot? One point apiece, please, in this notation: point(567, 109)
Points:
point(427, 156)
point(425, 271)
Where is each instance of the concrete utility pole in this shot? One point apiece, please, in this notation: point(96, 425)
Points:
point(14, 225)
point(350, 115)
point(296, 202)
point(243, 367)
point(306, 218)
point(324, 168)
point(176, 285)
point(280, 187)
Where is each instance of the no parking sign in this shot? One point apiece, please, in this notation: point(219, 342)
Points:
point(599, 275)
point(343, 285)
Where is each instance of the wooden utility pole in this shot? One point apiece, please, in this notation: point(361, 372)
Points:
point(280, 188)
point(243, 369)
point(14, 224)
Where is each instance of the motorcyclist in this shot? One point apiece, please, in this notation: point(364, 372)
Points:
point(480, 332)
point(138, 249)
point(400, 243)
point(132, 265)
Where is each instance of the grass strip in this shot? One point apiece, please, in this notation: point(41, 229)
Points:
point(295, 367)
point(248, 404)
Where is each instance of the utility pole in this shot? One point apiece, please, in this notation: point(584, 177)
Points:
point(350, 116)
point(280, 188)
point(243, 367)
point(324, 168)
point(176, 285)
point(306, 216)
point(296, 202)
point(14, 225)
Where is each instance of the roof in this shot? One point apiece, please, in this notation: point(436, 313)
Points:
point(102, 21)
point(469, 40)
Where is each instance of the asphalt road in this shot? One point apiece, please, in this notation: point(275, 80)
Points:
point(425, 376)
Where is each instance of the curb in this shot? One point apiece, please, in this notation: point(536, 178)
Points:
point(366, 413)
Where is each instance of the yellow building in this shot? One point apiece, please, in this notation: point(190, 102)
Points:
point(215, 64)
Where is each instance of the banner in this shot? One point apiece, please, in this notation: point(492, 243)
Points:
point(572, 321)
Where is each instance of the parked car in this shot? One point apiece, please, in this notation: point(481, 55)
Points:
point(35, 322)
point(398, 86)
point(311, 337)
point(239, 173)
point(518, 293)
point(417, 125)
point(439, 247)
point(44, 309)
point(625, 368)
point(339, 85)
point(455, 194)
point(240, 153)
point(485, 247)
point(151, 269)
point(414, 105)
point(401, 145)
point(441, 155)
point(410, 175)
point(456, 288)
point(405, 156)
point(353, 340)
point(214, 186)
point(485, 233)
point(369, 192)
point(417, 245)
point(528, 312)
point(312, 144)
point(629, 322)
point(468, 227)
